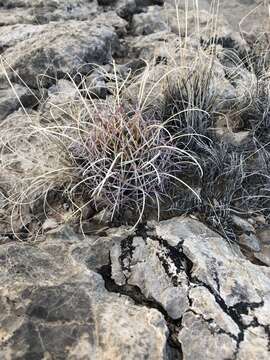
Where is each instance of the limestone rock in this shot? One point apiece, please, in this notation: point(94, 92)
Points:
point(127, 8)
point(152, 267)
point(156, 45)
point(95, 85)
point(263, 233)
point(214, 345)
point(53, 309)
point(228, 296)
point(11, 99)
point(13, 34)
point(59, 49)
point(149, 22)
point(250, 241)
point(264, 254)
point(213, 298)
point(44, 11)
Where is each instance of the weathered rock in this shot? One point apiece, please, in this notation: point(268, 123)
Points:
point(242, 224)
point(173, 290)
point(59, 49)
point(153, 45)
point(11, 17)
point(53, 309)
point(179, 267)
point(41, 12)
point(198, 334)
point(250, 241)
point(263, 233)
point(153, 268)
point(247, 237)
point(11, 99)
point(260, 220)
point(233, 138)
point(264, 254)
point(149, 22)
point(205, 305)
point(236, 13)
point(94, 252)
point(14, 34)
point(226, 293)
point(133, 67)
point(252, 346)
point(49, 224)
point(95, 85)
point(62, 97)
point(195, 24)
point(127, 8)
point(110, 18)
point(63, 91)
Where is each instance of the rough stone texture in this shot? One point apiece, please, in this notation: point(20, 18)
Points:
point(149, 22)
point(174, 290)
point(219, 295)
point(168, 291)
point(264, 254)
point(60, 309)
point(250, 241)
point(204, 336)
point(59, 49)
point(212, 297)
point(12, 99)
point(153, 268)
point(128, 8)
point(44, 11)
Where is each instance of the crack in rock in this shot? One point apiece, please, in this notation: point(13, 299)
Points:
point(150, 260)
point(174, 350)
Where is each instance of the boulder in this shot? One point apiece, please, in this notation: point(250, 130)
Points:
point(44, 11)
point(58, 49)
point(170, 288)
point(62, 310)
point(127, 8)
point(217, 293)
point(12, 98)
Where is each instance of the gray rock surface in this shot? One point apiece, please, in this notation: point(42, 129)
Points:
point(44, 11)
point(150, 265)
point(53, 309)
point(58, 49)
point(11, 99)
point(173, 290)
point(218, 295)
point(168, 291)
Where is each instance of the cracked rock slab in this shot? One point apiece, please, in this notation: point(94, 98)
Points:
point(200, 341)
point(219, 296)
point(174, 282)
point(53, 308)
point(155, 269)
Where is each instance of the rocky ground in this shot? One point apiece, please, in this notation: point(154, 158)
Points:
point(168, 290)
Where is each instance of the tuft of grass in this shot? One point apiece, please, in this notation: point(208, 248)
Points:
point(235, 177)
point(128, 163)
point(151, 146)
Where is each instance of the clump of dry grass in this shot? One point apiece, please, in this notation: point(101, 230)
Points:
point(152, 147)
point(128, 163)
point(113, 155)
